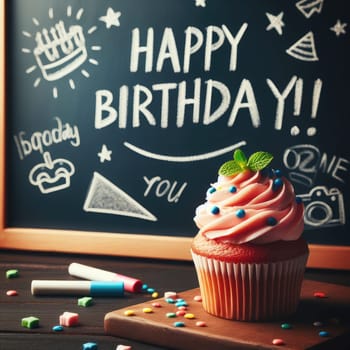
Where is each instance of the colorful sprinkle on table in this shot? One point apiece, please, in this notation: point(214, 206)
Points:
point(123, 347)
point(181, 303)
point(197, 298)
point(323, 334)
point(170, 314)
point(320, 295)
point(11, 293)
point(201, 324)
point(179, 324)
point(189, 316)
point(57, 328)
point(180, 312)
point(286, 326)
point(13, 273)
point(90, 346)
point(170, 295)
point(147, 310)
point(170, 300)
point(129, 313)
point(156, 304)
point(69, 319)
point(278, 341)
point(85, 301)
point(30, 322)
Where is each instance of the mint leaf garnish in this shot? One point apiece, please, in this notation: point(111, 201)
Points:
point(230, 168)
point(257, 161)
point(240, 158)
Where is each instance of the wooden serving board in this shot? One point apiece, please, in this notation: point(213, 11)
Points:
point(157, 329)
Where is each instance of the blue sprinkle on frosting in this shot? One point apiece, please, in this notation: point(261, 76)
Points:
point(278, 172)
point(232, 189)
point(215, 210)
point(240, 213)
point(277, 183)
point(212, 190)
point(271, 221)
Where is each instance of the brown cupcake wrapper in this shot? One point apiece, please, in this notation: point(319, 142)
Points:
point(249, 292)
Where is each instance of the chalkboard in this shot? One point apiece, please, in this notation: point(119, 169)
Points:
point(131, 106)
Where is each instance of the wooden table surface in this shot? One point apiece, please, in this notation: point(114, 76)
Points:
point(161, 275)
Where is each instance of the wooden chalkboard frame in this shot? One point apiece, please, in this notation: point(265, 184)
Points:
point(115, 244)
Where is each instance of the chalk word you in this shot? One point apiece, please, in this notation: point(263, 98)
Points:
point(38, 140)
point(164, 188)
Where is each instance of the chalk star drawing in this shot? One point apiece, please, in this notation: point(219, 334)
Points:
point(111, 18)
point(276, 22)
point(106, 198)
point(304, 49)
point(105, 154)
point(201, 3)
point(339, 28)
point(183, 159)
point(60, 50)
point(309, 7)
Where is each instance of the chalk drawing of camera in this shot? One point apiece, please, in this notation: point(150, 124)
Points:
point(323, 207)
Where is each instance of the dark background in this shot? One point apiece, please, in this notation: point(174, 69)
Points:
point(261, 56)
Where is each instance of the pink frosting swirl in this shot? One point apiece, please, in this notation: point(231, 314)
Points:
point(251, 207)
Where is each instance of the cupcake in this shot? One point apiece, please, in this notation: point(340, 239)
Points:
point(249, 254)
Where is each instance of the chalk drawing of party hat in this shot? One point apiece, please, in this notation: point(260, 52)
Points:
point(106, 198)
point(304, 49)
point(309, 7)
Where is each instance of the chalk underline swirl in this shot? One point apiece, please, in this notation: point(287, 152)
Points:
point(183, 159)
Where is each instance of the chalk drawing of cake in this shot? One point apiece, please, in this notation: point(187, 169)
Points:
point(304, 49)
point(52, 175)
point(58, 51)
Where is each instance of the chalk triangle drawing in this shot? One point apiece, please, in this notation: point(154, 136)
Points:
point(309, 7)
point(304, 49)
point(106, 198)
